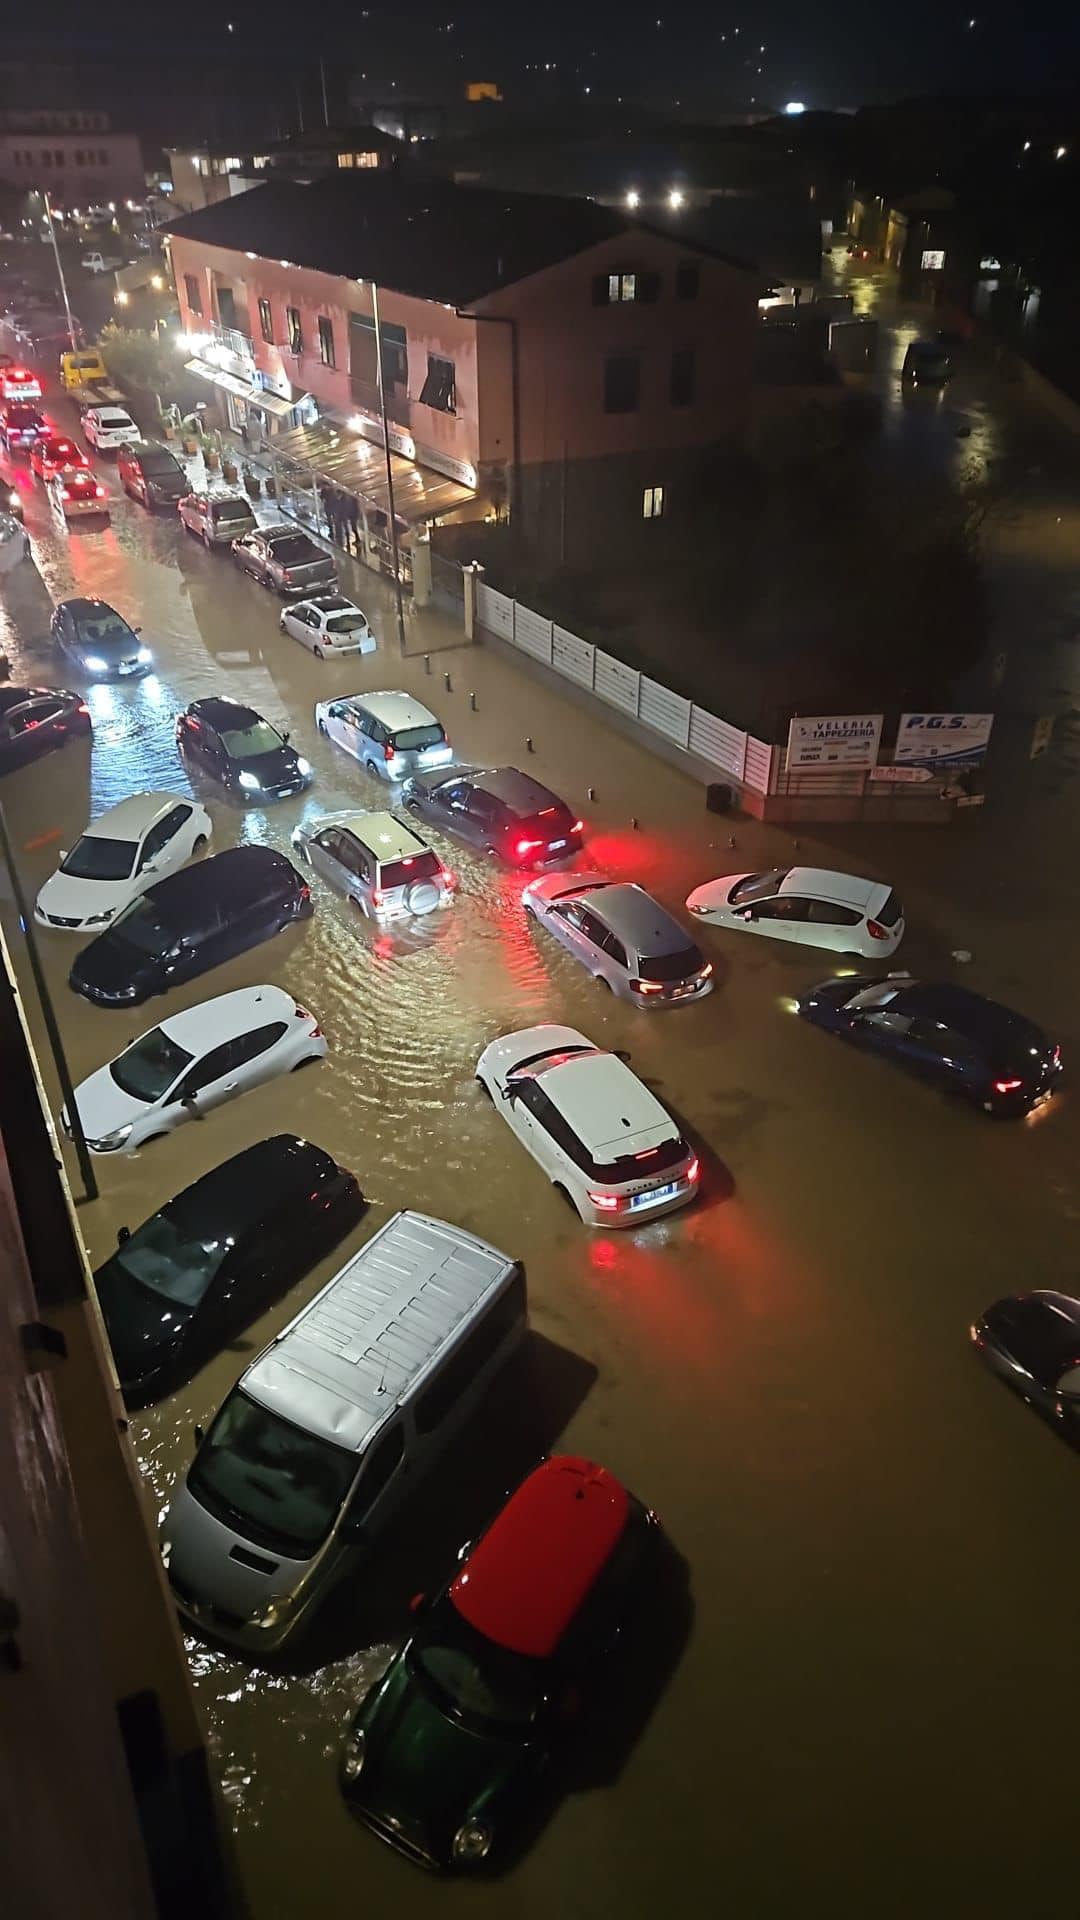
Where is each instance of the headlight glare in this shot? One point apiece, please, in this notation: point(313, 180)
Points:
point(145, 656)
point(303, 766)
point(472, 1842)
point(249, 783)
point(95, 663)
point(352, 1759)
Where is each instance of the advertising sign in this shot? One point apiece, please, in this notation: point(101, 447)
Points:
point(834, 740)
point(943, 739)
point(933, 260)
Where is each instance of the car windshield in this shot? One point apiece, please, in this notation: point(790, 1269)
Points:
point(417, 866)
point(94, 858)
point(148, 1068)
point(672, 966)
point(141, 927)
point(166, 1260)
point(345, 622)
point(871, 997)
point(758, 886)
point(473, 1680)
point(293, 547)
point(282, 1487)
point(104, 629)
point(245, 743)
point(158, 460)
point(413, 739)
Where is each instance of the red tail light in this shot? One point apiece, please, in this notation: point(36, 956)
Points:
point(527, 846)
point(647, 1154)
point(449, 877)
point(83, 708)
point(1007, 1086)
point(693, 1171)
point(875, 931)
point(376, 897)
point(646, 986)
point(544, 811)
point(388, 750)
point(577, 826)
point(305, 893)
point(607, 1202)
point(1056, 1057)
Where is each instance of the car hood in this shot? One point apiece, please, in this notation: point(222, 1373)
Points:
point(425, 783)
point(103, 1105)
point(110, 963)
point(716, 894)
point(75, 899)
point(425, 1770)
point(111, 651)
point(143, 1326)
point(269, 768)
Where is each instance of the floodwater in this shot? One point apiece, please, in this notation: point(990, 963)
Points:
point(861, 1705)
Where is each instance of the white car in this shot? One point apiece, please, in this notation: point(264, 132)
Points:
point(118, 857)
point(96, 262)
point(601, 1137)
point(839, 911)
point(192, 1062)
point(109, 428)
point(328, 624)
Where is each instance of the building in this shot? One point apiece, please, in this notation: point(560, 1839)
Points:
point(202, 177)
point(553, 359)
point(80, 165)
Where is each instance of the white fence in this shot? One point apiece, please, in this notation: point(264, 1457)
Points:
point(734, 754)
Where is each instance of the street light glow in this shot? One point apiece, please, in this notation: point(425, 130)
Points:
point(793, 106)
point(675, 199)
point(633, 198)
point(1060, 152)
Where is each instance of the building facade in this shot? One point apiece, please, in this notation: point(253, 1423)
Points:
point(80, 166)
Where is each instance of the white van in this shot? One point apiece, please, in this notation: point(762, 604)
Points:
point(311, 1452)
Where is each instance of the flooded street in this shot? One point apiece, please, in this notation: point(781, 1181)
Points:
point(858, 1711)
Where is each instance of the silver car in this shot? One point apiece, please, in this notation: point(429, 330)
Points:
point(377, 861)
point(217, 518)
point(622, 935)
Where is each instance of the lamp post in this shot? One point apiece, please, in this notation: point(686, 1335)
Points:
point(389, 471)
point(59, 267)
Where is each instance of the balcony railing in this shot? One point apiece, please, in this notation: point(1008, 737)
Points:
point(366, 395)
point(232, 340)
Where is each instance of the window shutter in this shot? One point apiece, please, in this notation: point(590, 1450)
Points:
point(648, 286)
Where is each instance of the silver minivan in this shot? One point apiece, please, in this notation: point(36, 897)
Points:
point(391, 733)
point(314, 1448)
point(217, 518)
point(377, 861)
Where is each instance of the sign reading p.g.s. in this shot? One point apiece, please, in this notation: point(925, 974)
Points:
point(943, 739)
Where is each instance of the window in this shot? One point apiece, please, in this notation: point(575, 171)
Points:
point(378, 1464)
point(615, 949)
point(326, 341)
point(159, 836)
point(296, 332)
point(621, 286)
point(192, 294)
point(80, 156)
point(367, 159)
point(59, 156)
point(829, 913)
point(682, 376)
point(652, 503)
point(363, 360)
point(46, 157)
point(786, 906)
point(480, 1345)
point(622, 382)
point(346, 160)
point(266, 322)
point(687, 280)
point(438, 389)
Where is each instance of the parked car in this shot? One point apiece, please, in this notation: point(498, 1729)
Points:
point(286, 560)
point(622, 935)
point(948, 1035)
point(52, 452)
point(808, 904)
point(328, 624)
point(390, 733)
point(152, 475)
point(109, 429)
point(377, 862)
point(210, 1261)
point(927, 362)
point(36, 720)
point(444, 1755)
point(98, 640)
point(75, 494)
point(20, 425)
point(236, 746)
point(217, 518)
point(19, 384)
point(119, 856)
point(602, 1138)
point(196, 919)
point(506, 813)
point(1032, 1342)
point(95, 262)
point(192, 1062)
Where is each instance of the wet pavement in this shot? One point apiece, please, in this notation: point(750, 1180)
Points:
point(861, 1706)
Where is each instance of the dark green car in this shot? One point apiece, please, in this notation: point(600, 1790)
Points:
point(442, 1757)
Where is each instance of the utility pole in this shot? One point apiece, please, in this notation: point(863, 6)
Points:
point(322, 77)
point(389, 472)
point(59, 269)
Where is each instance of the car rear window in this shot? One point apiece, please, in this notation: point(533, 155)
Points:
point(416, 866)
point(232, 510)
point(890, 913)
point(112, 417)
point(20, 416)
point(414, 739)
point(672, 966)
point(631, 1166)
point(551, 823)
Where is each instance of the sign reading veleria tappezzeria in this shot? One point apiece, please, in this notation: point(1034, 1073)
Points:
point(834, 740)
point(942, 739)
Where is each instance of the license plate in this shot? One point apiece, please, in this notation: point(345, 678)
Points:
point(654, 1194)
point(437, 756)
point(555, 845)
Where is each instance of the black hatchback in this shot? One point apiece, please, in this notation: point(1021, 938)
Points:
point(152, 474)
point(211, 1260)
point(34, 720)
point(498, 809)
point(241, 750)
point(194, 920)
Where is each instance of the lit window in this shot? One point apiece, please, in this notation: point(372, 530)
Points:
point(652, 503)
point(346, 160)
point(326, 342)
point(369, 159)
point(621, 286)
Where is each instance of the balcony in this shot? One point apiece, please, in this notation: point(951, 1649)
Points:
point(366, 395)
point(231, 340)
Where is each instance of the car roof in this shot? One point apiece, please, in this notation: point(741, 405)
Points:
point(223, 712)
point(241, 867)
point(278, 532)
point(515, 789)
point(141, 447)
point(637, 918)
point(87, 609)
point(393, 708)
point(226, 1015)
point(387, 837)
point(604, 1102)
point(132, 817)
point(236, 1195)
point(982, 1020)
point(329, 603)
point(822, 883)
point(110, 413)
point(527, 1579)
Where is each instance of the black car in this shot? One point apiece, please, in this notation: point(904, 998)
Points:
point(98, 640)
point(235, 745)
point(1032, 1340)
point(504, 812)
point(948, 1035)
point(152, 474)
point(21, 425)
point(34, 720)
point(211, 1260)
point(194, 920)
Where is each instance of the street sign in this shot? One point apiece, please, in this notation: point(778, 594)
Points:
point(943, 739)
point(834, 740)
point(1040, 739)
point(908, 775)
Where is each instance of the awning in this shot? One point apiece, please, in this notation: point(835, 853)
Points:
point(257, 396)
point(359, 466)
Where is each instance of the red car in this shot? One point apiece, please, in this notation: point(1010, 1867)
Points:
point(52, 452)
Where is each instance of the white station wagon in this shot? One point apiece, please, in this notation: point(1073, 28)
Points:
point(601, 1137)
point(817, 908)
point(122, 853)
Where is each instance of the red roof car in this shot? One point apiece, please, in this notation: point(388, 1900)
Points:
point(53, 451)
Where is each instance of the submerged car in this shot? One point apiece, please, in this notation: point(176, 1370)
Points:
point(443, 1757)
point(622, 935)
point(503, 812)
point(52, 452)
point(956, 1039)
point(118, 856)
point(98, 640)
point(202, 1268)
point(236, 746)
point(76, 494)
point(1032, 1341)
point(810, 905)
point(377, 862)
point(327, 625)
point(35, 720)
point(217, 518)
point(151, 474)
point(285, 560)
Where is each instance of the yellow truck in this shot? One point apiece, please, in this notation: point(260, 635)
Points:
point(86, 377)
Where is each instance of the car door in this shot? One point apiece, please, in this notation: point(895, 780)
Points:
point(325, 852)
point(784, 917)
point(255, 1056)
point(832, 925)
point(578, 930)
point(166, 846)
point(528, 1111)
point(30, 734)
point(299, 621)
point(212, 752)
point(442, 803)
point(341, 728)
point(477, 818)
point(209, 1082)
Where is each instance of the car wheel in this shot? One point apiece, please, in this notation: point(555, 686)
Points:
point(602, 981)
point(309, 1060)
point(199, 843)
point(149, 1141)
point(559, 1188)
point(318, 652)
point(321, 724)
point(357, 906)
point(484, 1088)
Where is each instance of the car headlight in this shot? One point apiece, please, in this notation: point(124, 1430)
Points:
point(267, 1617)
point(99, 919)
point(352, 1758)
point(95, 663)
point(108, 1141)
point(472, 1842)
point(14, 498)
point(303, 766)
point(144, 656)
point(249, 783)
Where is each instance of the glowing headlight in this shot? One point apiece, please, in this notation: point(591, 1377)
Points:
point(249, 783)
point(144, 656)
point(303, 766)
point(95, 664)
point(472, 1842)
point(99, 919)
point(14, 498)
point(352, 1759)
point(109, 1141)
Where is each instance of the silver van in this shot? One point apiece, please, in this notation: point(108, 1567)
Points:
point(217, 518)
point(314, 1448)
point(377, 861)
point(391, 733)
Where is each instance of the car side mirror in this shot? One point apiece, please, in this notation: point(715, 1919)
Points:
point(63, 854)
point(285, 737)
point(416, 1602)
point(123, 1234)
point(623, 1054)
point(136, 629)
point(189, 1103)
point(509, 1092)
point(747, 913)
point(200, 1434)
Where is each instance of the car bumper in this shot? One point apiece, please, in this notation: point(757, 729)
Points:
point(683, 994)
point(640, 1216)
point(85, 509)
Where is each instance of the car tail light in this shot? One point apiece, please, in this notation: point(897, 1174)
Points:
point(100, 492)
point(1055, 1057)
point(646, 986)
point(578, 826)
point(544, 811)
point(693, 1171)
point(286, 575)
point(388, 750)
point(705, 971)
point(607, 1202)
point(83, 708)
point(647, 1154)
point(527, 846)
point(1007, 1086)
point(449, 876)
point(305, 892)
point(376, 897)
point(876, 931)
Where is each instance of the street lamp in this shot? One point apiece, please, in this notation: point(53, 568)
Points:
point(633, 199)
point(59, 269)
point(676, 199)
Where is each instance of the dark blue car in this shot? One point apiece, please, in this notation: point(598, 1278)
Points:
point(1032, 1342)
point(948, 1035)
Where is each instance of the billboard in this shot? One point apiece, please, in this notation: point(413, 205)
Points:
point(942, 739)
point(933, 260)
point(834, 740)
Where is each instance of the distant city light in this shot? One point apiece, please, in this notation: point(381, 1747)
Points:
point(675, 198)
point(1060, 152)
point(156, 282)
point(121, 298)
point(795, 106)
point(633, 198)
point(1027, 146)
